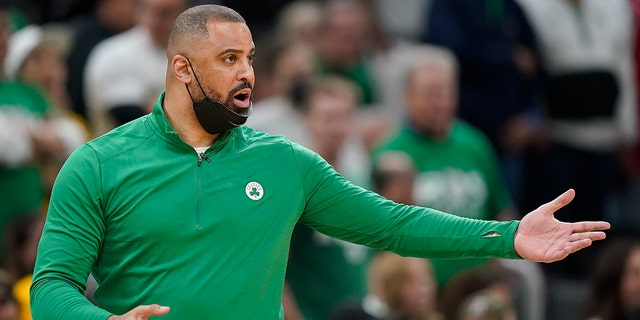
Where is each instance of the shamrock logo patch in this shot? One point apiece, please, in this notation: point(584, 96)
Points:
point(254, 190)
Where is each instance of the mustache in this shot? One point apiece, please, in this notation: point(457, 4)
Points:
point(244, 85)
point(229, 104)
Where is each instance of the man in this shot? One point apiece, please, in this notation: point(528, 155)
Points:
point(322, 271)
point(124, 73)
point(590, 122)
point(458, 168)
point(187, 214)
point(499, 73)
point(106, 19)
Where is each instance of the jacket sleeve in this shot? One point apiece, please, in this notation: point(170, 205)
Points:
point(70, 243)
point(340, 209)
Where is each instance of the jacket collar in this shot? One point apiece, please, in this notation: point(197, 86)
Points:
point(163, 127)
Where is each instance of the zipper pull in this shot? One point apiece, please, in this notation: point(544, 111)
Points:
point(202, 156)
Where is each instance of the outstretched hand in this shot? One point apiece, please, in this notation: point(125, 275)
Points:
point(543, 238)
point(142, 313)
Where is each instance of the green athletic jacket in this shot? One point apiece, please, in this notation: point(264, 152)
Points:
point(208, 235)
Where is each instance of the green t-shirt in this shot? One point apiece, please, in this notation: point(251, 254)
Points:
point(324, 272)
point(359, 73)
point(208, 235)
point(459, 175)
point(21, 188)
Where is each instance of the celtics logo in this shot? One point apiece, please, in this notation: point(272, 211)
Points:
point(254, 190)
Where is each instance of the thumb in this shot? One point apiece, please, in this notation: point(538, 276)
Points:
point(145, 311)
point(559, 202)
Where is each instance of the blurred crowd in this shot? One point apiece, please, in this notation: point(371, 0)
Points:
point(480, 108)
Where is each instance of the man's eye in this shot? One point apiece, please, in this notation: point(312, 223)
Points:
point(251, 58)
point(230, 59)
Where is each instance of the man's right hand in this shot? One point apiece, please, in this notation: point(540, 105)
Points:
point(142, 313)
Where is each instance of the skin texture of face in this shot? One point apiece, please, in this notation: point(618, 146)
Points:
point(431, 99)
point(630, 283)
point(222, 61)
point(224, 66)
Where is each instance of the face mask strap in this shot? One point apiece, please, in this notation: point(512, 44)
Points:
point(197, 81)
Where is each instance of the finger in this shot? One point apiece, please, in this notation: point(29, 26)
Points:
point(579, 245)
point(587, 226)
point(593, 236)
point(572, 247)
point(149, 311)
point(559, 202)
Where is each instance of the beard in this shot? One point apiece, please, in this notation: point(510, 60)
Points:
point(228, 102)
point(216, 115)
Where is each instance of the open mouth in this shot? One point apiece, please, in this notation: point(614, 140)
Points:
point(242, 98)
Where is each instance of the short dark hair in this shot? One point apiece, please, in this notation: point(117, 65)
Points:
point(192, 23)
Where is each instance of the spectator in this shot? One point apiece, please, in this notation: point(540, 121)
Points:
point(487, 304)
point(341, 46)
point(401, 288)
point(626, 202)
point(396, 286)
point(28, 135)
point(457, 165)
point(286, 67)
point(589, 117)
point(8, 305)
point(125, 72)
point(394, 177)
point(36, 57)
point(106, 19)
point(329, 110)
point(19, 246)
point(323, 271)
point(499, 73)
point(406, 21)
point(300, 20)
point(476, 291)
point(614, 291)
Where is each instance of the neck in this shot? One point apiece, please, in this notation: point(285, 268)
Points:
point(431, 134)
point(181, 117)
point(331, 156)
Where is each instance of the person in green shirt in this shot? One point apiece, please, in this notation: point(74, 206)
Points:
point(457, 165)
point(185, 213)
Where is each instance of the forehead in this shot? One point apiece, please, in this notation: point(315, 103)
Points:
point(429, 73)
point(225, 36)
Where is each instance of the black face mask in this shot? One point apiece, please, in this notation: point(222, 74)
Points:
point(215, 117)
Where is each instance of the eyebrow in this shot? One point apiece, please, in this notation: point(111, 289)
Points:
point(236, 51)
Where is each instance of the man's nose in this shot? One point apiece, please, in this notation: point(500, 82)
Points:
point(245, 72)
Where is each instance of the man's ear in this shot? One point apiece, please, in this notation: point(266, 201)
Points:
point(180, 68)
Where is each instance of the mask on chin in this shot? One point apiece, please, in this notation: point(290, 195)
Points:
point(213, 116)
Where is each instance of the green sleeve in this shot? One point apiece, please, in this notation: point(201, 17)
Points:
point(70, 243)
point(342, 210)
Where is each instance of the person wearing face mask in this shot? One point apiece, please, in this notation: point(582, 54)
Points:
point(188, 214)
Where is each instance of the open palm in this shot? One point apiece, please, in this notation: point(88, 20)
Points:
point(543, 238)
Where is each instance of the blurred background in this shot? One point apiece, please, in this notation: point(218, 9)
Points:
point(480, 108)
